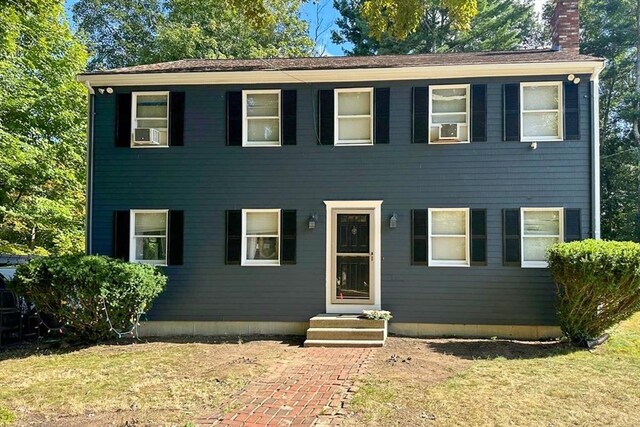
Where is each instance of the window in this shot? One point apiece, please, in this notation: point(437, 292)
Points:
point(449, 237)
point(541, 111)
point(449, 118)
point(261, 118)
point(149, 236)
point(261, 237)
point(150, 119)
point(353, 112)
point(541, 228)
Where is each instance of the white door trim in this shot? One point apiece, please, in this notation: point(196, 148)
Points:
point(376, 206)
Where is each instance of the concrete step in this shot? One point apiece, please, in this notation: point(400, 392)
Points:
point(344, 321)
point(348, 334)
point(344, 343)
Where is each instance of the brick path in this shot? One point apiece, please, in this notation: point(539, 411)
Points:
point(311, 390)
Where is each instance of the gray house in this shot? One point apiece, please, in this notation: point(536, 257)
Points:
point(274, 190)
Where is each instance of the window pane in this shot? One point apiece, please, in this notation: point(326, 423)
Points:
point(156, 124)
point(354, 129)
point(260, 130)
point(448, 222)
point(151, 224)
point(262, 223)
point(540, 97)
point(352, 103)
point(449, 100)
point(449, 118)
point(151, 249)
point(262, 104)
point(261, 248)
point(541, 223)
point(535, 248)
point(151, 106)
point(540, 124)
point(448, 249)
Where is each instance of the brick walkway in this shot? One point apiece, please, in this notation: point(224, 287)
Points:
point(313, 389)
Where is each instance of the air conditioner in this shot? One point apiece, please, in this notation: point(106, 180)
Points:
point(146, 136)
point(449, 131)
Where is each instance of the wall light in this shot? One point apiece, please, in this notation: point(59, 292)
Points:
point(313, 220)
point(393, 220)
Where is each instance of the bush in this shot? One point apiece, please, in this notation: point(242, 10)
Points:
point(598, 285)
point(84, 292)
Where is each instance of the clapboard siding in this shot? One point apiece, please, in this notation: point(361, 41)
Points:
point(205, 178)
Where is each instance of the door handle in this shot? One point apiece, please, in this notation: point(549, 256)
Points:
point(371, 256)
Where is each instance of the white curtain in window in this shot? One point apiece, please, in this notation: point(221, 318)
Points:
point(262, 223)
point(354, 129)
point(262, 105)
point(540, 124)
point(448, 223)
point(448, 248)
point(540, 98)
point(535, 248)
point(153, 224)
point(354, 103)
point(542, 223)
point(264, 130)
point(449, 100)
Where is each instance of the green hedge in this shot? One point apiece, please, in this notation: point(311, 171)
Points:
point(598, 285)
point(74, 290)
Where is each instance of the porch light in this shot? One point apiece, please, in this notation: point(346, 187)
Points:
point(313, 219)
point(393, 221)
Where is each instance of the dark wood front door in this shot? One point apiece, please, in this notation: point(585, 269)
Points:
point(353, 268)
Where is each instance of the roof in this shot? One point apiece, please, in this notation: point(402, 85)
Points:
point(354, 62)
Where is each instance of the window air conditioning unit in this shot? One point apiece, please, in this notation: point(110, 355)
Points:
point(146, 136)
point(449, 131)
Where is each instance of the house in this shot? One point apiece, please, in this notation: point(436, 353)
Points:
point(274, 190)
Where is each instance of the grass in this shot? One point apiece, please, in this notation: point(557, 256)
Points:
point(6, 417)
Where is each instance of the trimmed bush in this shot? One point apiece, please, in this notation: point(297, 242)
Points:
point(84, 293)
point(598, 285)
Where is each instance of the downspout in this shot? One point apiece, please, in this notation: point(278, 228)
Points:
point(595, 164)
point(89, 194)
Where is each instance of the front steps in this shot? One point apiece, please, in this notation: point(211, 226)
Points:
point(345, 330)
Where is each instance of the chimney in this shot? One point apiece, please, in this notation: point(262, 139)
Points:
point(565, 26)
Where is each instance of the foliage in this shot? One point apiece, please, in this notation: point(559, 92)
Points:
point(598, 285)
point(84, 293)
point(7, 417)
point(377, 314)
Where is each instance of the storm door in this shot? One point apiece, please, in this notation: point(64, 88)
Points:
point(353, 258)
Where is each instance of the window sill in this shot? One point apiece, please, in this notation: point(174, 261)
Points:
point(447, 142)
point(260, 264)
point(353, 144)
point(534, 264)
point(448, 264)
point(528, 139)
point(154, 264)
point(148, 146)
point(259, 145)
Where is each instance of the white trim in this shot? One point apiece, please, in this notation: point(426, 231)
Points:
point(595, 119)
point(437, 263)
point(134, 118)
point(336, 117)
point(560, 112)
point(245, 119)
point(243, 244)
point(467, 87)
point(376, 248)
point(560, 236)
point(132, 236)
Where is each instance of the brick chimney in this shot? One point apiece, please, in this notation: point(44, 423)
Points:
point(565, 26)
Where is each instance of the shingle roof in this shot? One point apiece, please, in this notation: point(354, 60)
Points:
point(354, 62)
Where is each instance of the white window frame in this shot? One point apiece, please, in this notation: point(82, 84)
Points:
point(467, 87)
point(134, 118)
point(539, 264)
point(246, 118)
point(243, 246)
point(336, 123)
point(133, 237)
point(560, 112)
point(440, 263)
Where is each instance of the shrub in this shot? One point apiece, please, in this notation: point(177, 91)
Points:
point(86, 292)
point(598, 285)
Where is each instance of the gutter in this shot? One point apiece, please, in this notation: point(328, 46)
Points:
point(595, 154)
point(89, 193)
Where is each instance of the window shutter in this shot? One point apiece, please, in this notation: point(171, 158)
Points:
point(381, 101)
point(420, 115)
point(572, 225)
point(176, 118)
point(288, 241)
point(234, 118)
point(123, 120)
point(478, 113)
point(121, 234)
point(289, 101)
point(419, 238)
point(234, 237)
point(326, 119)
point(176, 238)
point(571, 111)
point(478, 237)
point(511, 104)
point(511, 237)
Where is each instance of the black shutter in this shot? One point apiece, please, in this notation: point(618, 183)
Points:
point(479, 113)
point(123, 120)
point(175, 250)
point(234, 237)
point(571, 111)
point(326, 119)
point(121, 236)
point(420, 115)
point(289, 108)
point(381, 101)
point(511, 237)
point(511, 105)
point(176, 118)
point(478, 237)
point(234, 118)
point(419, 238)
point(572, 225)
point(289, 231)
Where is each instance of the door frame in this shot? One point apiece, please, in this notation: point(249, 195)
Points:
point(374, 207)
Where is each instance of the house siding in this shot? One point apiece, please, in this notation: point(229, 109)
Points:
point(205, 178)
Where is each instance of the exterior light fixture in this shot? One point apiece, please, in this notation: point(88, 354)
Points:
point(393, 220)
point(576, 80)
point(313, 219)
point(570, 77)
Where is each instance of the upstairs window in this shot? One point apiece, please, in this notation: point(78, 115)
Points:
point(261, 237)
point(149, 236)
point(541, 106)
point(353, 116)
point(541, 228)
point(449, 237)
point(150, 119)
point(449, 118)
point(261, 118)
